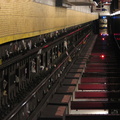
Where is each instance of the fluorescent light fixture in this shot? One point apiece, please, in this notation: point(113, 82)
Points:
point(116, 13)
point(95, 3)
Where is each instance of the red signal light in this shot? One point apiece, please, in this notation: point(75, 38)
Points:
point(102, 56)
point(103, 38)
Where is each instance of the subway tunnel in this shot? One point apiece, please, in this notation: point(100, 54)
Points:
point(59, 60)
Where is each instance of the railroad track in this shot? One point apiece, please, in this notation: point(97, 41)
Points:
point(91, 88)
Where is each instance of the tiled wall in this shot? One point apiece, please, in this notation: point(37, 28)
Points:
point(24, 18)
